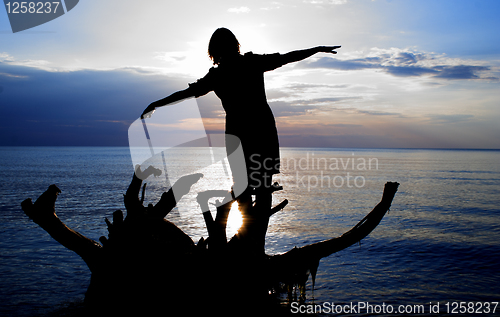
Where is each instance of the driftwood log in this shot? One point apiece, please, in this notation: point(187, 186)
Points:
point(147, 266)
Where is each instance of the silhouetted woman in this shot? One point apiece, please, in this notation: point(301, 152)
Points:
point(238, 80)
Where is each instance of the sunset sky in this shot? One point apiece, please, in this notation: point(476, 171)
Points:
point(410, 74)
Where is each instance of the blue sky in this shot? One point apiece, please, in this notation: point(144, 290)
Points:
point(410, 74)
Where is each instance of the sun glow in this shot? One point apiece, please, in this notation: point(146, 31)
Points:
point(234, 221)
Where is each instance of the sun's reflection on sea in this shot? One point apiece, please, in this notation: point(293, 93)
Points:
point(439, 241)
point(234, 221)
point(188, 213)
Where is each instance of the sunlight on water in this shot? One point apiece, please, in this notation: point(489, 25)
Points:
point(234, 221)
point(438, 243)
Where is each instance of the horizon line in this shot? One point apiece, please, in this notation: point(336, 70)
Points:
point(282, 147)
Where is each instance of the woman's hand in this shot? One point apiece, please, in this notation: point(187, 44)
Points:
point(328, 49)
point(149, 110)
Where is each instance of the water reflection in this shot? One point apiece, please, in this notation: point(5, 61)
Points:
point(234, 221)
point(439, 242)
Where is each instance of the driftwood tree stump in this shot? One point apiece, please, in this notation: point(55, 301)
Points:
point(148, 266)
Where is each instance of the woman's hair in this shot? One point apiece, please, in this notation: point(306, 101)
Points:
point(222, 43)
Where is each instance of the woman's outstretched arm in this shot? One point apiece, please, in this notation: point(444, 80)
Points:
point(173, 98)
point(299, 55)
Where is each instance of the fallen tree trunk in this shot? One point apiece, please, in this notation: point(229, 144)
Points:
point(294, 266)
point(147, 262)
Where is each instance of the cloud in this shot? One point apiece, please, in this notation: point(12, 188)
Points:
point(41, 64)
point(313, 95)
point(299, 89)
point(354, 64)
point(273, 6)
point(379, 113)
point(84, 107)
point(4, 57)
point(210, 107)
point(12, 75)
point(171, 56)
point(331, 2)
point(409, 71)
point(285, 109)
point(460, 72)
point(407, 63)
point(239, 10)
point(319, 101)
point(449, 118)
point(298, 107)
point(95, 107)
point(301, 86)
point(282, 102)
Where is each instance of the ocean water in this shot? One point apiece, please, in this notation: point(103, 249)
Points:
point(440, 242)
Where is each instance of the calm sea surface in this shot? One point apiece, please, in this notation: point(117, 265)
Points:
point(439, 243)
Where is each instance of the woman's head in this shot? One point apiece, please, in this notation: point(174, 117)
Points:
point(223, 43)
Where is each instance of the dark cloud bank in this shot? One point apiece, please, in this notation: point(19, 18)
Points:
point(404, 64)
point(85, 107)
point(96, 108)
